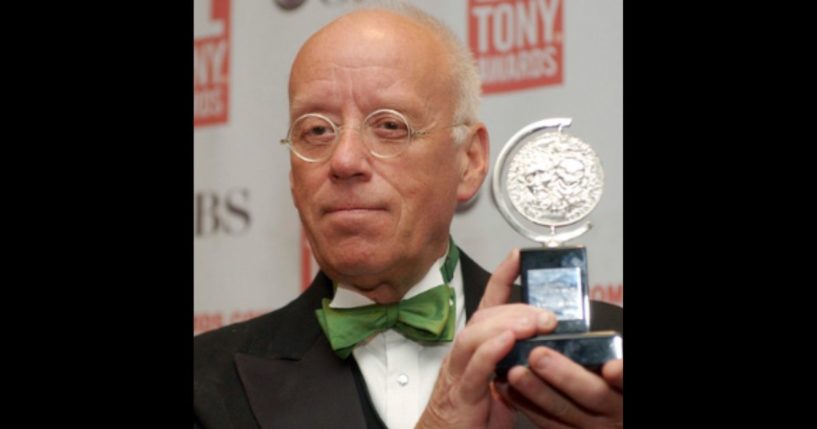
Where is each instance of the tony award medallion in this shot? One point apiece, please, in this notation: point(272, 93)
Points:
point(545, 183)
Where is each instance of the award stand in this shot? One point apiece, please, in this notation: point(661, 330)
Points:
point(545, 183)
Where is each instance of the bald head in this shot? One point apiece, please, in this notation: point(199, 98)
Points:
point(405, 37)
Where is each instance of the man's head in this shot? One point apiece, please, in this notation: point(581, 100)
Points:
point(379, 223)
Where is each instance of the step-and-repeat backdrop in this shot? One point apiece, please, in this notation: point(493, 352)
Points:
point(537, 58)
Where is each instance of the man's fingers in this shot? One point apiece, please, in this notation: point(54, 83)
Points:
point(523, 321)
point(476, 378)
point(533, 412)
point(613, 373)
point(540, 398)
point(583, 387)
point(498, 290)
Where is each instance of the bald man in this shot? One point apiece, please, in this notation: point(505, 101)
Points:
point(385, 142)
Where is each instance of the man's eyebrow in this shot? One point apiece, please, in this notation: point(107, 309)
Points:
point(301, 105)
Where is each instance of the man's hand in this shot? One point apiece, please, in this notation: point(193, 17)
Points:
point(464, 396)
point(555, 392)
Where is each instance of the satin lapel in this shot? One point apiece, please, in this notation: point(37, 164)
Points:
point(474, 280)
point(292, 378)
point(315, 391)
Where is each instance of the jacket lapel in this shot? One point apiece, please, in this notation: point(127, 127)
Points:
point(315, 391)
point(294, 379)
point(474, 280)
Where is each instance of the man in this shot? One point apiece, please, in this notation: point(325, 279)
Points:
point(385, 143)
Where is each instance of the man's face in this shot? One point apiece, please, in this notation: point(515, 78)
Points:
point(370, 220)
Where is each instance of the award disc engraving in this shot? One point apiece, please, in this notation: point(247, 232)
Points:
point(545, 179)
point(554, 179)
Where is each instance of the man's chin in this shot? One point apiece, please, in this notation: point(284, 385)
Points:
point(348, 270)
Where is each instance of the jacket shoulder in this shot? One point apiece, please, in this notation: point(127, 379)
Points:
point(287, 330)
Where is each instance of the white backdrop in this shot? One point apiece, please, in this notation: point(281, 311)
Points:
point(247, 242)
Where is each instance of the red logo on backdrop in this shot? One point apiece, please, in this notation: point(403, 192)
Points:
point(611, 293)
point(211, 61)
point(517, 44)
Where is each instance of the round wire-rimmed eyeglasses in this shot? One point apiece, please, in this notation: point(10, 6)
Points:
point(386, 133)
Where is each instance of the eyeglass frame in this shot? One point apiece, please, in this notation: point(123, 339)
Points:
point(412, 134)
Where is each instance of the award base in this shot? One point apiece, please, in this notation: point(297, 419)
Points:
point(590, 349)
point(555, 279)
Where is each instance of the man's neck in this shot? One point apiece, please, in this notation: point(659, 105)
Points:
point(387, 292)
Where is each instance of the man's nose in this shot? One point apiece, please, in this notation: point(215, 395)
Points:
point(350, 157)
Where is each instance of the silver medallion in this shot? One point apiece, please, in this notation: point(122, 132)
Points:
point(547, 178)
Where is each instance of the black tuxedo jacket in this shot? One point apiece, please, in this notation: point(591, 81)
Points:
point(278, 370)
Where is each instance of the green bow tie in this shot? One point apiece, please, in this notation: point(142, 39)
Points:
point(427, 317)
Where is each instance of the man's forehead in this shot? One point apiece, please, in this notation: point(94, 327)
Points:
point(365, 56)
point(364, 89)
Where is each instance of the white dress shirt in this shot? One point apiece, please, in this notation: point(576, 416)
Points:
point(400, 373)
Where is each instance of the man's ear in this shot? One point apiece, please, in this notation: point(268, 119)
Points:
point(474, 164)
